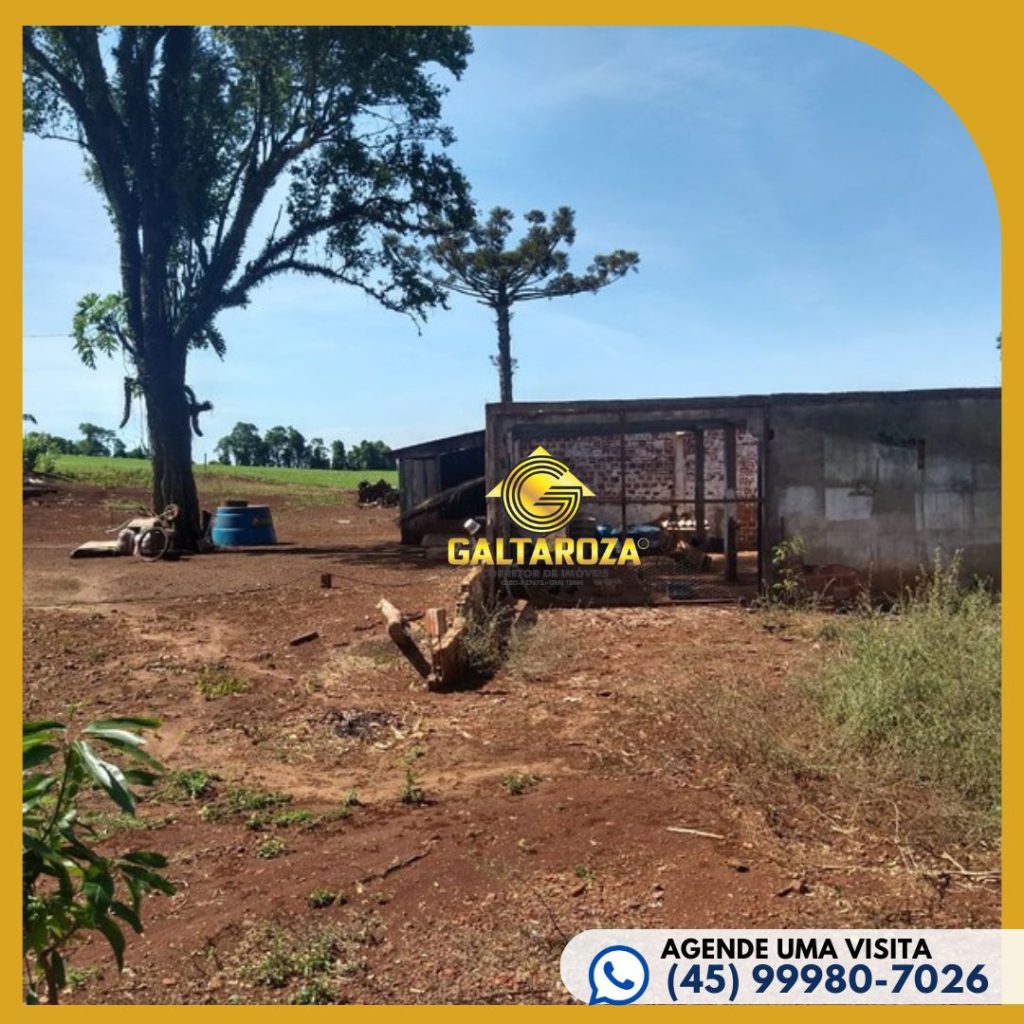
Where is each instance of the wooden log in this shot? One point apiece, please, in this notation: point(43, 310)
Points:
point(450, 655)
point(403, 639)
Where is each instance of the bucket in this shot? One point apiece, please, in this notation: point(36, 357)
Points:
point(243, 526)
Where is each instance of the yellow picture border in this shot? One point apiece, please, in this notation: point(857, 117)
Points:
point(968, 55)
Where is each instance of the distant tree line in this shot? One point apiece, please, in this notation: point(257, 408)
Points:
point(38, 444)
point(285, 446)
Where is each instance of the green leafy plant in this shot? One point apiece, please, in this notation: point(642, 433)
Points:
point(314, 993)
point(192, 783)
point(271, 848)
point(107, 824)
point(412, 791)
point(344, 809)
point(517, 783)
point(239, 799)
point(36, 456)
point(320, 898)
point(788, 585)
point(68, 886)
point(215, 681)
point(259, 820)
point(284, 819)
point(80, 976)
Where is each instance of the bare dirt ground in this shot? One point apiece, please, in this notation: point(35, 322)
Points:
point(548, 792)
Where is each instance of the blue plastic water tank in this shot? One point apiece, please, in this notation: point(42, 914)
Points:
point(243, 526)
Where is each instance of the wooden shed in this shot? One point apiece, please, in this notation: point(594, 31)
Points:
point(441, 484)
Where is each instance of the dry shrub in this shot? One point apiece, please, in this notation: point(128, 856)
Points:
point(541, 652)
point(899, 730)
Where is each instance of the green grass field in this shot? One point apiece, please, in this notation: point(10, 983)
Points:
point(136, 473)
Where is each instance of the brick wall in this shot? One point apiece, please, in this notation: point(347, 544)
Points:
point(650, 473)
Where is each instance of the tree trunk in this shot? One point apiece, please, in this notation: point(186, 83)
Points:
point(504, 316)
point(50, 975)
point(170, 435)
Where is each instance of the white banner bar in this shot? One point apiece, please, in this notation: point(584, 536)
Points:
point(932, 966)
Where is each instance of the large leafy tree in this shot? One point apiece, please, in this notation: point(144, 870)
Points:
point(188, 133)
point(316, 456)
point(276, 443)
point(371, 455)
point(243, 446)
point(95, 440)
point(479, 262)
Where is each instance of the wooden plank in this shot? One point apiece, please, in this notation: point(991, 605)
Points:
point(96, 549)
point(436, 621)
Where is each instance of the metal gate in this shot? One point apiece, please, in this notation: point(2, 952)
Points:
point(690, 499)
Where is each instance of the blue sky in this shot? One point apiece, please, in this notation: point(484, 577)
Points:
point(810, 216)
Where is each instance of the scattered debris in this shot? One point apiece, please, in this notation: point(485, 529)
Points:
point(303, 638)
point(38, 484)
point(149, 537)
point(798, 888)
point(326, 580)
point(362, 724)
point(381, 493)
